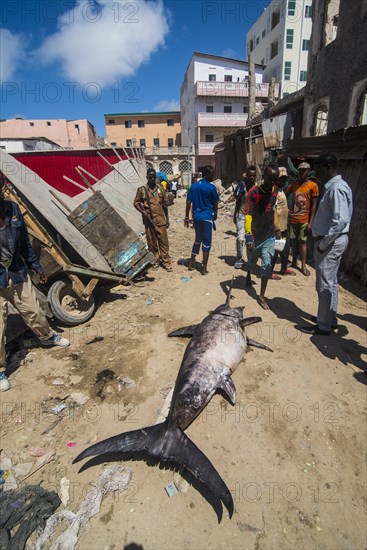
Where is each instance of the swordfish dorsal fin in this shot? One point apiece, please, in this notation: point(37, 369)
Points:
point(184, 332)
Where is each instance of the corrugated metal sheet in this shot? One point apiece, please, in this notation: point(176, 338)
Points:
point(346, 143)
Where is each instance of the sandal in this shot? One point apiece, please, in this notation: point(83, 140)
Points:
point(305, 272)
point(287, 272)
point(275, 277)
point(263, 303)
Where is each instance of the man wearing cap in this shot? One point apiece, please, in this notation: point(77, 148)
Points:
point(330, 230)
point(304, 195)
point(240, 193)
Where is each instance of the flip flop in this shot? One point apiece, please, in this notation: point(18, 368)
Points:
point(275, 277)
point(288, 272)
point(305, 272)
point(263, 303)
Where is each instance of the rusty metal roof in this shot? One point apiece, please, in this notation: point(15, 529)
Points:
point(345, 143)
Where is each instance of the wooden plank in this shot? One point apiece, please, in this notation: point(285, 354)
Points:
point(85, 271)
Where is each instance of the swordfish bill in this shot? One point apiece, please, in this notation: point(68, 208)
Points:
point(216, 348)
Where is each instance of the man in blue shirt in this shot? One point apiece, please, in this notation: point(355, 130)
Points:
point(204, 198)
point(330, 229)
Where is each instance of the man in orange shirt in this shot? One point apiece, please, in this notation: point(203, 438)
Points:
point(301, 214)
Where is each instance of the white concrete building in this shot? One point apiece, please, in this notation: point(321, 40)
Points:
point(214, 102)
point(280, 40)
point(19, 145)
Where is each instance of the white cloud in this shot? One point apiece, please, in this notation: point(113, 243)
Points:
point(106, 41)
point(167, 105)
point(11, 53)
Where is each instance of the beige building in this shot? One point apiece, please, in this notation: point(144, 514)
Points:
point(160, 136)
point(143, 129)
point(69, 134)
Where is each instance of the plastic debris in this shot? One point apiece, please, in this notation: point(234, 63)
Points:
point(149, 301)
point(64, 489)
point(171, 489)
point(58, 408)
point(185, 279)
point(114, 479)
point(95, 339)
point(79, 397)
point(71, 444)
point(22, 511)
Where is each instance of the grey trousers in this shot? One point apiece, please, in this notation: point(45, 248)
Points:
point(327, 265)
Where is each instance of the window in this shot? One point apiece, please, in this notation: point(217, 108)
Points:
point(129, 143)
point(128, 124)
point(48, 123)
point(209, 109)
point(321, 121)
point(113, 143)
point(245, 109)
point(275, 18)
point(170, 142)
point(212, 78)
point(274, 49)
point(257, 40)
point(141, 123)
point(303, 76)
point(287, 70)
point(170, 122)
point(142, 143)
point(305, 45)
point(209, 138)
point(111, 121)
point(292, 7)
point(289, 40)
point(156, 142)
point(308, 11)
point(262, 61)
point(263, 33)
point(251, 45)
point(31, 124)
point(227, 109)
point(227, 78)
point(76, 126)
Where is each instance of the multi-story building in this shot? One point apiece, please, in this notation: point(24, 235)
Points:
point(69, 134)
point(158, 133)
point(215, 101)
point(280, 40)
point(20, 145)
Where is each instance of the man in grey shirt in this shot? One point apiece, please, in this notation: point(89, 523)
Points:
point(330, 230)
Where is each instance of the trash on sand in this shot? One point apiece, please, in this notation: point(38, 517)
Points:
point(79, 397)
point(24, 510)
point(149, 301)
point(64, 489)
point(58, 382)
point(58, 408)
point(95, 339)
point(171, 489)
point(71, 444)
point(185, 279)
point(125, 382)
point(114, 479)
point(102, 378)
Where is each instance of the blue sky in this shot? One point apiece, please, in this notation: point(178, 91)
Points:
point(82, 58)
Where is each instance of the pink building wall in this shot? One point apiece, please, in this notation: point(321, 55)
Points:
point(74, 134)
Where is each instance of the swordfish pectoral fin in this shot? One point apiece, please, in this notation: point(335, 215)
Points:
point(184, 332)
point(249, 321)
point(227, 386)
point(257, 345)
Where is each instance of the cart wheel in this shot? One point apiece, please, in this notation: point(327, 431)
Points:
point(66, 305)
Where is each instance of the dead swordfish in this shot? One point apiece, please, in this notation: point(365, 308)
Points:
point(215, 350)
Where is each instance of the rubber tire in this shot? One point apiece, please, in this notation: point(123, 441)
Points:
point(54, 298)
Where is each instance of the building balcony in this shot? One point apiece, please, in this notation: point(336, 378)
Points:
point(232, 89)
point(229, 120)
point(206, 148)
point(164, 151)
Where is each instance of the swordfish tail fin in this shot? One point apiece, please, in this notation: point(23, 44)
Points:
point(169, 444)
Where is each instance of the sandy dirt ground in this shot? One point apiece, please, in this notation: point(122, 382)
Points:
point(292, 450)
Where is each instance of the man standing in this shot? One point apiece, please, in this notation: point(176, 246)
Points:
point(204, 198)
point(261, 226)
point(243, 187)
point(302, 213)
point(152, 201)
point(282, 215)
point(330, 229)
point(16, 254)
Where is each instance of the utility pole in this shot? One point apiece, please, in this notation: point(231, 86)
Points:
point(252, 100)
